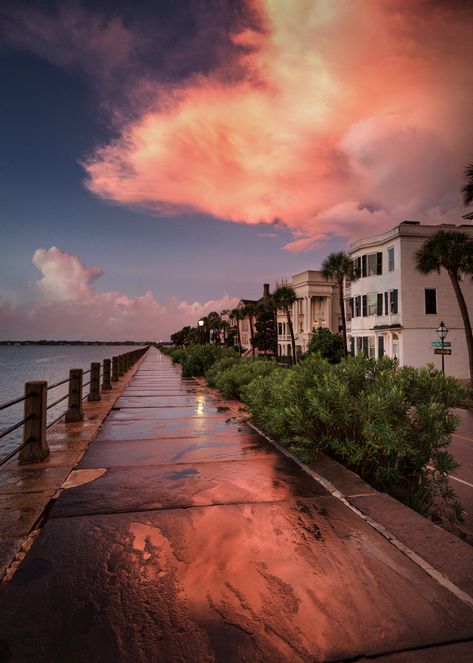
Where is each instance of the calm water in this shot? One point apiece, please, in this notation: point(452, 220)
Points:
point(20, 364)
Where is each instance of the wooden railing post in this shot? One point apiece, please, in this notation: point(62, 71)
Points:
point(121, 366)
point(75, 396)
point(94, 389)
point(34, 430)
point(115, 377)
point(106, 382)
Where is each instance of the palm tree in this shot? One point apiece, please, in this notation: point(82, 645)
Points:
point(467, 190)
point(284, 297)
point(236, 314)
point(249, 311)
point(453, 251)
point(339, 266)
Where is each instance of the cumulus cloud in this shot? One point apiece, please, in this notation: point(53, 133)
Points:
point(68, 306)
point(348, 120)
point(331, 117)
point(65, 277)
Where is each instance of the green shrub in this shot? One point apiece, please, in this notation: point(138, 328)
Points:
point(235, 377)
point(391, 425)
point(197, 359)
point(327, 344)
point(220, 366)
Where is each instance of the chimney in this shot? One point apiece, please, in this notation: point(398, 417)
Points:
point(266, 290)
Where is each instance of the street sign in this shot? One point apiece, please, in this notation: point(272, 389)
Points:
point(442, 351)
point(438, 344)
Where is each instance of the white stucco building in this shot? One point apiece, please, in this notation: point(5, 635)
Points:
point(316, 306)
point(394, 310)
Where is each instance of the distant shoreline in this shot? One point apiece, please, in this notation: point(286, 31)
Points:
point(76, 342)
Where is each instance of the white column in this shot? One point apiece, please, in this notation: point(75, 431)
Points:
point(329, 314)
point(307, 327)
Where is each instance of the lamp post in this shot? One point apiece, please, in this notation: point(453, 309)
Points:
point(442, 331)
point(202, 334)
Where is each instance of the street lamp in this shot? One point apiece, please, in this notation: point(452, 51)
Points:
point(201, 323)
point(442, 331)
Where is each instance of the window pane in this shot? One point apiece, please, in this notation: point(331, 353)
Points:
point(372, 303)
point(430, 300)
point(372, 264)
point(371, 346)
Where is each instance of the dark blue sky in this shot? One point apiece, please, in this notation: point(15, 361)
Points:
point(50, 119)
point(119, 120)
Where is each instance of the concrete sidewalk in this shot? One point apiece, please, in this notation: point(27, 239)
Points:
point(185, 537)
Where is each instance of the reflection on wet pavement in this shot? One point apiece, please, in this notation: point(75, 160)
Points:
point(193, 539)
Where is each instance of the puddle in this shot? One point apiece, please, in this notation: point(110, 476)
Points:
point(80, 477)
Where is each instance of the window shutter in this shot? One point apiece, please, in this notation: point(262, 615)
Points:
point(394, 307)
point(379, 303)
point(379, 263)
point(352, 312)
point(386, 304)
point(357, 306)
point(352, 346)
point(365, 346)
point(363, 265)
point(380, 346)
point(364, 306)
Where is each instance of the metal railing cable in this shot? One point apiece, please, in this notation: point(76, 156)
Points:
point(15, 426)
point(59, 400)
point(39, 394)
point(20, 399)
point(61, 416)
point(58, 384)
point(9, 456)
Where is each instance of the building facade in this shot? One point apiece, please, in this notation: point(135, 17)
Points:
point(394, 310)
point(316, 306)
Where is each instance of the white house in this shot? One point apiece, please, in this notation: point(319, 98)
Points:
point(394, 310)
point(316, 306)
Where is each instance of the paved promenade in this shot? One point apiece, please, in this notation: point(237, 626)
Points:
point(186, 537)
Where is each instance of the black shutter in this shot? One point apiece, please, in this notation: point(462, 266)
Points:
point(386, 303)
point(380, 346)
point(351, 304)
point(358, 266)
point(364, 305)
point(352, 346)
point(379, 263)
point(379, 304)
point(363, 265)
point(365, 346)
point(394, 307)
point(357, 306)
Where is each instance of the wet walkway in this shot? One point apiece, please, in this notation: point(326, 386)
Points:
point(186, 537)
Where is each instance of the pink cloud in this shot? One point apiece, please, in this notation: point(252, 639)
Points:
point(68, 306)
point(340, 108)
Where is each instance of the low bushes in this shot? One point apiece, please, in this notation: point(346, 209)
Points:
point(197, 359)
point(391, 425)
point(232, 378)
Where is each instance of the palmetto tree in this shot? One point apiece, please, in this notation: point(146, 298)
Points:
point(339, 266)
point(453, 251)
point(467, 189)
point(236, 314)
point(284, 297)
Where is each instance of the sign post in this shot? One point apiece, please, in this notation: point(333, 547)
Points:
point(442, 331)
